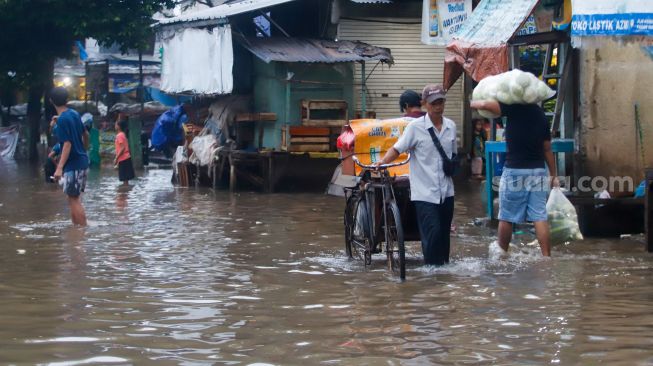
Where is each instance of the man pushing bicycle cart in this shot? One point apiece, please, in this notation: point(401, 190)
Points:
point(431, 140)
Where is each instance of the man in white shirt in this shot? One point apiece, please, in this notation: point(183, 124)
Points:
point(430, 189)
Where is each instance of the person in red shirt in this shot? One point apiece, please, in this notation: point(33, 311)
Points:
point(410, 103)
point(123, 159)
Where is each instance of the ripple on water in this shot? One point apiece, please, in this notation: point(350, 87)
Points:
point(88, 361)
point(169, 275)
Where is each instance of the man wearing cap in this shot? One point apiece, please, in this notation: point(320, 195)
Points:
point(430, 189)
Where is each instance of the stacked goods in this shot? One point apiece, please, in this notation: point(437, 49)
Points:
point(512, 87)
point(562, 217)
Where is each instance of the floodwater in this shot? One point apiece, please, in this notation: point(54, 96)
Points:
point(178, 276)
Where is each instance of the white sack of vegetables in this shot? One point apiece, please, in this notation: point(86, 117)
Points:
point(562, 217)
point(512, 87)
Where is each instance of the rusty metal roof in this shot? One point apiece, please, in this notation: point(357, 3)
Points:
point(313, 50)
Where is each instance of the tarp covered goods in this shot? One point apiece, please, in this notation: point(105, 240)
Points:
point(8, 141)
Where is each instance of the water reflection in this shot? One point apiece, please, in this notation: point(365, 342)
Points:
point(177, 275)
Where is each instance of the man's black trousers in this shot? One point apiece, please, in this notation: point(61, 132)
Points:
point(434, 228)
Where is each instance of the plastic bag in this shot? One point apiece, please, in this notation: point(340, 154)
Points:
point(562, 217)
point(512, 87)
point(346, 139)
point(204, 148)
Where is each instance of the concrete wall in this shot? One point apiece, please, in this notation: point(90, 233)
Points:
point(613, 77)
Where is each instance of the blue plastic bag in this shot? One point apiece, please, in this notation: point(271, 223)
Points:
point(168, 129)
point(641, 189)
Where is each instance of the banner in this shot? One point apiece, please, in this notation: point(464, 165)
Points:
point(530, 27)
point(612, 18)
point(375, 137)
point(441, 19)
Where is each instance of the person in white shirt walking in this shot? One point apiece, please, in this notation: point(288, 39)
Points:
point(431, 189)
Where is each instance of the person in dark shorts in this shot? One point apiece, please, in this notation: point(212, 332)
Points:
point(123, 158)
point(525, 182)
point(72, 167)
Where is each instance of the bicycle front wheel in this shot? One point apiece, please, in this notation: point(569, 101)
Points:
point(349, 219)
point(395, 249)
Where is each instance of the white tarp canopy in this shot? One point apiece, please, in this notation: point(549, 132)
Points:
point(222, 11)
point(612, 18)
point(198, 61)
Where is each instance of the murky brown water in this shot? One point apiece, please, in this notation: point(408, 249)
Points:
point(186, 276)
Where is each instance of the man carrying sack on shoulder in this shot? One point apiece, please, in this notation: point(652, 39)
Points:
point(525, 181)
point(431, 139)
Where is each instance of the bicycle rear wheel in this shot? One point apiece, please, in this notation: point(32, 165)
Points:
point(395, 249)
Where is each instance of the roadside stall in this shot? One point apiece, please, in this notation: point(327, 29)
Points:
point(482, 48)
point(615, 41)
point(296, 93)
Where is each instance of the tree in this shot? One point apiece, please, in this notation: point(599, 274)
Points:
point(36, 32)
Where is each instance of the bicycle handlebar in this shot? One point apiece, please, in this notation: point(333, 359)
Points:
point(379, 167)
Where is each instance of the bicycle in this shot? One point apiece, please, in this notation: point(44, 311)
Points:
point(362, 225)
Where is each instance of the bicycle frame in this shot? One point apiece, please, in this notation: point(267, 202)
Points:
point(368, 187)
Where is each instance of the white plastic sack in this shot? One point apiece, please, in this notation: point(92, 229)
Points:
point(562, 217)
point(512, 87)
point(178, 157)
point(203, 149)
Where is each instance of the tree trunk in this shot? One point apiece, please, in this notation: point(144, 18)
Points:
point(36, 92)
point(34, 119)
point(5, 116)
point(6, 102)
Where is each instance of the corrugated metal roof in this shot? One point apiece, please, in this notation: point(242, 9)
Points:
point(314, 50)
point(223, 11)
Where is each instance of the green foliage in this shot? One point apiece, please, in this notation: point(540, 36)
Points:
point(34, 32)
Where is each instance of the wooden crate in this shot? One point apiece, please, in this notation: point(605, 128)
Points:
point(306, 139)
point(338, 112)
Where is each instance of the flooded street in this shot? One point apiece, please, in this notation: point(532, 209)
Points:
point(195, 276)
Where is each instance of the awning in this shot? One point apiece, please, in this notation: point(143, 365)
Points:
point(222, 11)
point(480, 46)
point(313, 50)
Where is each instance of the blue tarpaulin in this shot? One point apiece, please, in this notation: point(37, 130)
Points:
point(168, 131)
